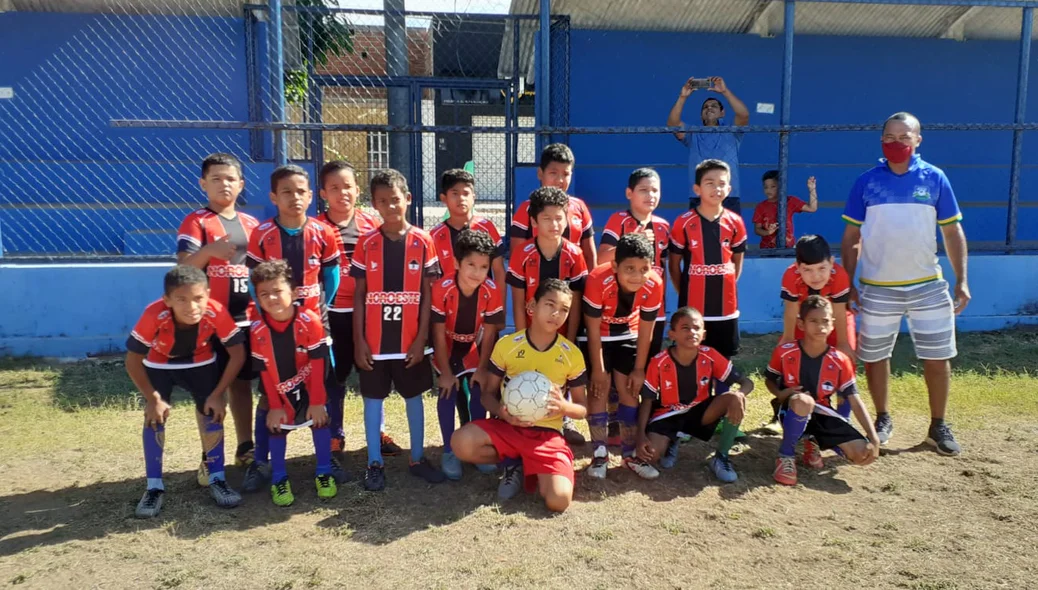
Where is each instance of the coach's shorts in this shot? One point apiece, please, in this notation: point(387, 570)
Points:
point(246, 373)
point(852, 335)
point(198, 381)
point(723, 336)
point(690, 422)
point(391, 374)
point(542, 450)
point(828, 428)
point(931, 321)
point(342, 343)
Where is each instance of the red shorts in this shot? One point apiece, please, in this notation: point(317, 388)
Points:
point(852, 336)
point(543, 451)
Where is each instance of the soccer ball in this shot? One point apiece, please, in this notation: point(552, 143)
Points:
point(526, 396)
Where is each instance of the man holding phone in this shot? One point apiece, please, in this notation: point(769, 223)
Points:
point(703, 146)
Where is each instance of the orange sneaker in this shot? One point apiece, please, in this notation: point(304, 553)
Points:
point(786, 471)
point(812, 455)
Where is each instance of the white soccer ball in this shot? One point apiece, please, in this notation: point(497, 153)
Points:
point(526, 396)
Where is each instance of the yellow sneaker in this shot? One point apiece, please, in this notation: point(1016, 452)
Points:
point(326, 488)
point(281, 493)
point(203, 473)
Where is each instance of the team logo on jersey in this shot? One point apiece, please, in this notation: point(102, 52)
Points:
point(921, 193)
point(314, 261)
point(725, 242)
point(448, 282)
point(790, 378)
point(533, 280)
point(413, 266)
point(446, 253)
point(704, 381)
point(827, 387)
point(830, 367)
point(693, 243)
point(667, 384)
point(608, 281)
point(374, 265)
point(163, 314)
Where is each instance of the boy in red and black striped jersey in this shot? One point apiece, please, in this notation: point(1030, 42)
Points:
point(172, 345)
point(678, 397)
point(706, 252)
point(621, 300)
point(339, 189)
point(803, 376)
point(215, 239)
point(290, 353)
point(467, 314)
point(556, 170)
point(394, 267)
point(458, 193)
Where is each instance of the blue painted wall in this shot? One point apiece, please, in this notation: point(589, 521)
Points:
point(110, 297)
point(632, 78)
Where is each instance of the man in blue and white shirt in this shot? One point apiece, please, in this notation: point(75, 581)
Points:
point(891, 214)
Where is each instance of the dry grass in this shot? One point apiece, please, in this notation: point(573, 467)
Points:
point(72, 473)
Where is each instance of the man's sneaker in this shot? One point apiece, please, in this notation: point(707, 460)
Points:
point(426, 471)
point(375, 478)
point(389, 447)
point(451, 466)
point(338, 444)
point(203, 473)
point(786, 471)
point(571, 434)
point(599, 463)
point(511, 482)
point(257, 475)
point(225, 497)
point(281, 493)
point(643, 469)
point(941, 437)
point(774, 427)
point(150, 504)
point(812, 456)
point(245, 454)
point(326, 488)
point(723, 470)
point(339, 474)
point(884, 428)
point(487, 468)
point(670, 457)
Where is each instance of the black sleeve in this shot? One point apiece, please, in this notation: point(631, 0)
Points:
point(134, 345)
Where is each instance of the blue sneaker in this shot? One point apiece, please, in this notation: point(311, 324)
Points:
point(723, 470)
point(450, 465)
point(670, 458)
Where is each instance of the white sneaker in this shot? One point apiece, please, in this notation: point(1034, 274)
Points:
point(599, 463)
point(643, 469)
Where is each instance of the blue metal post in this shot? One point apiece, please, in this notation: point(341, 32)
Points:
point(542, 100)
point(255, 147)
point(400, 100)
point(415, 147)
point(784, 116)
point(513, 123)
point(1023, 69)
point(277, 69)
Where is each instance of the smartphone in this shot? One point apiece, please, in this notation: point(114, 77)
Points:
point(701, 83)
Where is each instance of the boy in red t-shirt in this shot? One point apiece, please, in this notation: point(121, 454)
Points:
point(765, 215)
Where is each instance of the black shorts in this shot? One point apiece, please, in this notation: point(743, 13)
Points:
point(723, 336)
point(246, 373)
point(342, 343)
point(391, 374)
point(690, 422)
point(198, 381)
point(617, 355)
point(657, 338)
point(828, 431)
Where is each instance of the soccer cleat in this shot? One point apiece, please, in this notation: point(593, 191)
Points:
point(670, 458)
point(487, 468)
point(203, 473)
point(338, 444)
point(150, 504)
point(451, 466)
point(257, 475)
point(245, 454)
point(225, 497)
point(812, 456)
point(326, 488)
point(571, 434)
point(389, 447)
point(599, 463)
point(426, 471)
point(338, 473)
point(723, 470)
point(281, 493)
point(884, 427)
point(786, 471)
point(511, 482)
point(375, 478)
point(941, 437)
point(643, 469)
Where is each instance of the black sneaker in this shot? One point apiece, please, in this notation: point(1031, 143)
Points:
point(339, 474)
point(375, 478)
point(243, 456)
point(884, 427)
point(941, 437)
point(388, 446)
point(426, 471)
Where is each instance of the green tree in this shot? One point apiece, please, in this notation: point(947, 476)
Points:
point(332, 34)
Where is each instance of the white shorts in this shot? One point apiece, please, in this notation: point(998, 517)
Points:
point(931, 321)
